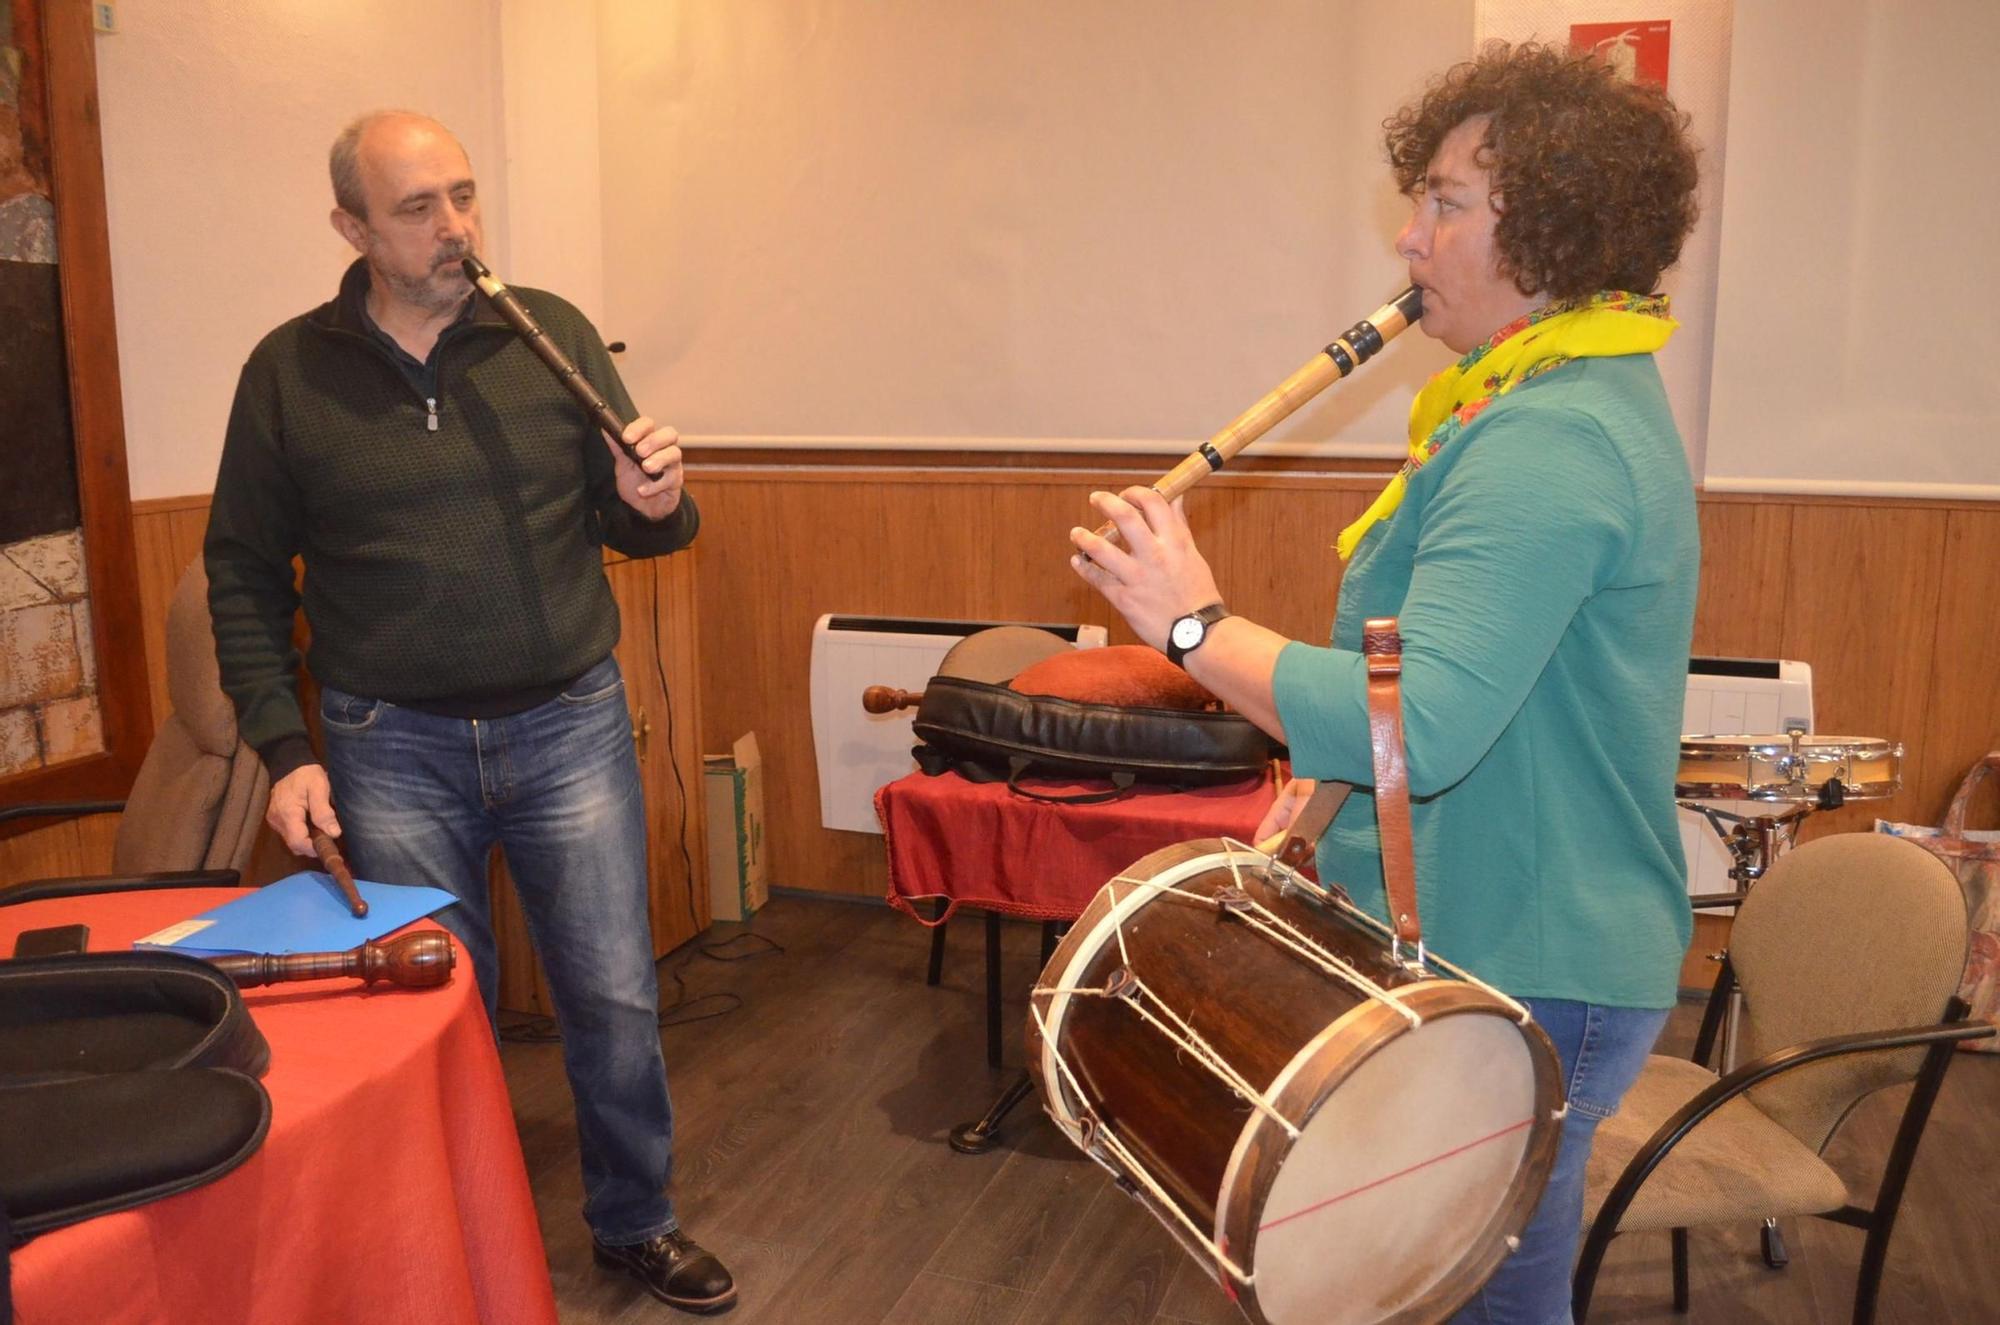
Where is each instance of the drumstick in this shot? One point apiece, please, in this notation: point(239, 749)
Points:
point(336, 865)
point(1293, 846)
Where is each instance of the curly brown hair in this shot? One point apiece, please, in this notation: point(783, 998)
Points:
point(1595, 176)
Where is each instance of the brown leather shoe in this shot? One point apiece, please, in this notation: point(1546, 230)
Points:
point(675, 1269)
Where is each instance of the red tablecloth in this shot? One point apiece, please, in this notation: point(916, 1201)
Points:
point(977, 844)
point(390, 1186)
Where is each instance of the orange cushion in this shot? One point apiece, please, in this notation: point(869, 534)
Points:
point(1128, 675)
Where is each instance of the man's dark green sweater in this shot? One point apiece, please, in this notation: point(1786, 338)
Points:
point(452, 545)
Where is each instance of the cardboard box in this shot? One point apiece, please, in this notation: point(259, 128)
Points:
point(734, 793)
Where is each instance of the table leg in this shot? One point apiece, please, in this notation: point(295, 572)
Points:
point(993, 989)
point(937, 941)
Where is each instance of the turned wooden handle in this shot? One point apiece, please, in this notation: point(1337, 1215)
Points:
point(412, 961)
point(887, 699)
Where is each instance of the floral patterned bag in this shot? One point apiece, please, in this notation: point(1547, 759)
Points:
point(1974, 856)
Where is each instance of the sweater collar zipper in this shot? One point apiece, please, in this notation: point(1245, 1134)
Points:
point(381, 352)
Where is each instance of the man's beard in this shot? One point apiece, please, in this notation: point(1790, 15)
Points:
point(441, 289)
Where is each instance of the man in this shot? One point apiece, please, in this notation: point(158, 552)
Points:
point(449, 499)
point(1540, 550)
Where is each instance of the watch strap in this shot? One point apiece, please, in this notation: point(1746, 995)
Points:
point(1208, 616)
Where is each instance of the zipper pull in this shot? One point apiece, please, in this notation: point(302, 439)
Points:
point(431, 422)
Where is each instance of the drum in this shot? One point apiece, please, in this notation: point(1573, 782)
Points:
point(1338, 1130)
point(1787, 767)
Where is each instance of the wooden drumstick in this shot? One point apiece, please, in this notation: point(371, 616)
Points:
point(887, 699)
point(336, 865)
point(1293, 847)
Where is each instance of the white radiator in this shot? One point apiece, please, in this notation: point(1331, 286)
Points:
point(1736, 697)
point(860, 751)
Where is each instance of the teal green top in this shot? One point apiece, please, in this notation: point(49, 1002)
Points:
point(1543, 568)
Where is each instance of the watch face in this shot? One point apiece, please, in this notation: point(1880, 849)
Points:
point(1187, 632)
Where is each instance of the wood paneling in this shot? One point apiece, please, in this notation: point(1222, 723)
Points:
point(1890, 601)
point(1861, 601)
point(1740, 610)
point(1883, 598)
point(167, 536)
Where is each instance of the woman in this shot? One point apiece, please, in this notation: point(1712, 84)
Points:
point(1539, 547)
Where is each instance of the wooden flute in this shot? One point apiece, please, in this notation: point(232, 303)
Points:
point(510, 307)
point(1354, 347)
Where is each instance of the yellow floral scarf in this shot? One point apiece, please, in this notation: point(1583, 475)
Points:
point(1608, 323)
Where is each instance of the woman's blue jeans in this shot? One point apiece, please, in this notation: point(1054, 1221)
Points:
point(1602, 1050)
point(423, 799)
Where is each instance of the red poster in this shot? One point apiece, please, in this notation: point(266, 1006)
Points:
point(1638, 51)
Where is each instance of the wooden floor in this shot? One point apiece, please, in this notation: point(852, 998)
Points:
point(811, 1157)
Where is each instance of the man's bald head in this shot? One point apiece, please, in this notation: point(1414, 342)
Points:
point(408, 204)
point(344, 161)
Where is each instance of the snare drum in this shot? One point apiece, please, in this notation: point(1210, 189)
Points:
point(1338, 1132)
point(1787, 768)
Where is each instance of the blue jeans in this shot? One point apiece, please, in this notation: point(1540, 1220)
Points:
point(1602, 1050)
point(422, 799)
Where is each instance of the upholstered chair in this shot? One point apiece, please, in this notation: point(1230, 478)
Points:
point(1848, 954)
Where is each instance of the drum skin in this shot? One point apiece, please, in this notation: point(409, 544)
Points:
point(1299, 1036)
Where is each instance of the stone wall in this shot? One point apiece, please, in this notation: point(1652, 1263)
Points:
point(48, 672)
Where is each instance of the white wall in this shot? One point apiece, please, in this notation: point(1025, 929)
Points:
point(555, 192)
point(1698, 66)
point(1856, 325)
point(956, 224)
point(1114, 223)
point(217, 115)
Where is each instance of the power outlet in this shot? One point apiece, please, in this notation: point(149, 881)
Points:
point(104, 15)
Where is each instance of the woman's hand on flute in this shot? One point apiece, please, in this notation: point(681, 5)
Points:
point(1158, 575)
point(654, 491)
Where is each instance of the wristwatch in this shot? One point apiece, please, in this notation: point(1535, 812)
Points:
point(1188, 632)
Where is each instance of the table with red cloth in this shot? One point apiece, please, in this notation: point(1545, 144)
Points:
point(979, 844)
point(390, 1186)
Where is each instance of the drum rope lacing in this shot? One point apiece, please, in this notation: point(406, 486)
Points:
point(1102, 1135)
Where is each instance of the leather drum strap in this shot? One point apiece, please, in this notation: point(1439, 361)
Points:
point(1383, 648)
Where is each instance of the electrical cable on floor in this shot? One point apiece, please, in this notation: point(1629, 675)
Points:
point(530, 1028)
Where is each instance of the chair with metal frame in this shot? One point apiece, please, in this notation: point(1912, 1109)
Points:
point(1848, 955)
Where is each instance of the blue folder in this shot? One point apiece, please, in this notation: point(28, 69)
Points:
point(303, 912)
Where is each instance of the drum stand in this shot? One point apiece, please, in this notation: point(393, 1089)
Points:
point(1754, 842)
point(976, 1138)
